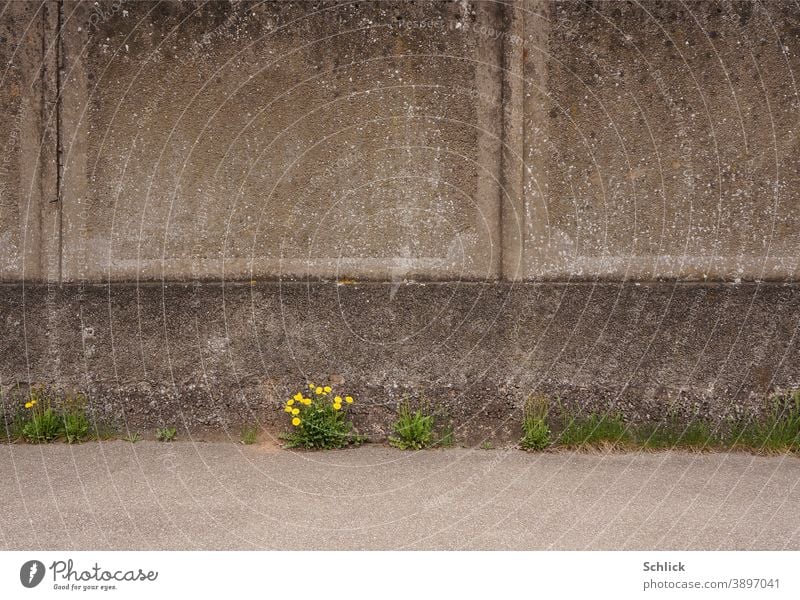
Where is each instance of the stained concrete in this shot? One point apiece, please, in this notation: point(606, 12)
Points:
point(223, 496)
point(529, 140)
point(29, 247)
point(241, 139)
point(205, 188)
point(211, 354)
point(661, 139)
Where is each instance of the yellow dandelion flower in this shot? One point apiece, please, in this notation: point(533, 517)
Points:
point(318, 391)
point(311, 386)
point(288, 409)
point(33, 402)
point(29, 405)
point(307, 401)
point(298, 396)
point(327, 389)
point(338, 399)
point(296, 421)
point(295, 411)
point(348, 399)
point(337, 406)
point(290, 402)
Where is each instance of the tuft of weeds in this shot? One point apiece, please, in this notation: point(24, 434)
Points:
point(412, 430)
point(12, 430)
point(132, 437)
point(487, 445)
point(103, 431)
point(696, 434)
point(248, 435)
point(41, 424)
point(779, 431)
point(536, 432)
point(76, 424)
point(593, 430)
point(446, 437)
point(166, 434)
point(320, 420)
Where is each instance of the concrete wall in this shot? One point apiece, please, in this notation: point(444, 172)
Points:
point(29, 227)
point(242, 140)
point(663, 140)
point(597, 200)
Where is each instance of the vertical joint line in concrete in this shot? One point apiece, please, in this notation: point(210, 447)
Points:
point(59, 141)
point(523, 132)
point(512, 159)
point(503, 23)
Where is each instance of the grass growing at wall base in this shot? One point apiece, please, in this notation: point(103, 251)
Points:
point(672, 434)
point(536, 431)
point(779, 431)
point(593, 430)
point(413, 430)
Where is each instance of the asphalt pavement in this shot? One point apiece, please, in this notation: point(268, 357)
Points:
point(222, 495)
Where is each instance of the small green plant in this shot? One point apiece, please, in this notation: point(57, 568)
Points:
point(412, 430)
point(41, 424)
point(132, 437)
point(166, 434)
point(594, 430)
point(320, 420)
point(446, 437)
point(779, 431)
point(12, 430)
point(76, 424)
point(248, 435)
point(104, 431)
point(672, 433)
point(535, 431)
point(487, 445)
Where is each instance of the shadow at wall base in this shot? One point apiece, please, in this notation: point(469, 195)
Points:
point(214, 355)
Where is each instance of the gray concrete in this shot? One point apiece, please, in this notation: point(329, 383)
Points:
point(661, 140)
point(241, 139)
point(219, 495)
point(212, 354)
point(646, 145)
point(534, 139)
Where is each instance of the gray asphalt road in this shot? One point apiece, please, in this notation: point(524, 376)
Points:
point(217, 495)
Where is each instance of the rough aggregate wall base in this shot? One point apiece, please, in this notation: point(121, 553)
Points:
point(221, 355)
point(152, 180)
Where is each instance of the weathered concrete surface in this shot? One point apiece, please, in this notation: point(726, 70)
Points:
point(437, 141)
point(28, 221)
point(661, 140)
point(227, 140)
point(537, 139)
point(213, 354)
point(221, 496)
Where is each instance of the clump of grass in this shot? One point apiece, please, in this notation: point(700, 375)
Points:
point(104, 431)
point(412, 430)
point(12, 430)
point(487, 445)
point(166, 434)
point(446, 437)
point(41, 424)
point(536, 432)
point(672, 433)
point(76, 424)
point(779, 431)
point(248, 435)
point(132, 437)
point(594, 430)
